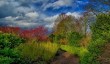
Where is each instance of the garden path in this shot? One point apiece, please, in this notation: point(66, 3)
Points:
point(104, 58)
point(66, 58)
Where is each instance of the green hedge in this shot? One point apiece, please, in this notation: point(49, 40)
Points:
point(9, 40)
point(74, 39)
point(95, 49)
point(5, 60)
point(8, 52)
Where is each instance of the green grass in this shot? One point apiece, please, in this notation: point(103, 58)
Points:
point(80, 51)
point(5, 60)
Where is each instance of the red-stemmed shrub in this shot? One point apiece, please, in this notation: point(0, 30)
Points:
point(39, 33)
point(13, 30)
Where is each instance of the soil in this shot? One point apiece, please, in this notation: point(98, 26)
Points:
point(65, 58)
point(104, 58)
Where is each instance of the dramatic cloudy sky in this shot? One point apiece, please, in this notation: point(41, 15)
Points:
point(32, 13)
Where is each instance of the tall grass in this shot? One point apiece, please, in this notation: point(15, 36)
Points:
point(35, 51)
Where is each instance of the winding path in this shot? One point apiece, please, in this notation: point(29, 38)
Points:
point(104, 58)
point(66, 58)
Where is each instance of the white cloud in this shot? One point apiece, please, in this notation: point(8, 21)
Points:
point(22, 22)
point(25, 24)
point(75, 14)
point(24, 10)
point(32, 15)
point(82, 2)
point(3, 3)
point(10, 18)
point(32, 1)
point(51, 18)
point(50, 25)
point(59, 4)
point(6, 2)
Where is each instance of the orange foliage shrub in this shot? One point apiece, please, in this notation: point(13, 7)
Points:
point(63, 41)
point(85, 40)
